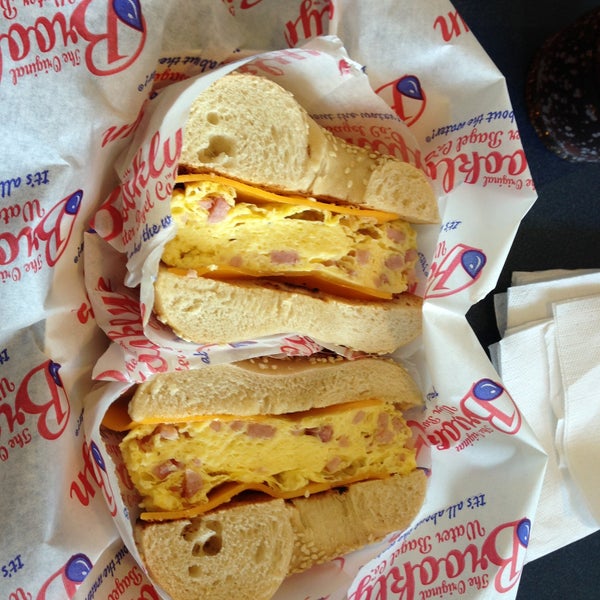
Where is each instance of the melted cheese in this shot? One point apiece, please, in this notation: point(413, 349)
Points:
point(196, 465)
point(256, 194)
point(227, 492)
point(223, 232)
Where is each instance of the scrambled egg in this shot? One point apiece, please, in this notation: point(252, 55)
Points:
point(218, 232)
point(175, 466)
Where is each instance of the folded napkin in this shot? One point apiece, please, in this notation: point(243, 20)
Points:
point(549, 360)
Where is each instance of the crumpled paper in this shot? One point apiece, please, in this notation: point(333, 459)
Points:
point(78, 82)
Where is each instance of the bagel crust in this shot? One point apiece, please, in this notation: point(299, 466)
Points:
point(272, 142)
point(204, 310)
point(246, 550)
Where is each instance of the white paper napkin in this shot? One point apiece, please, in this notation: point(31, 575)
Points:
point(549, 359)
point(578, 347)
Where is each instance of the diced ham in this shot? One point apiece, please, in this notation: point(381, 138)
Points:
point(236, 261)
point(411, 254)
point(395, 235)
point(145, 443)
point(284, 257)
point(396, 261)
point(164, 469)
point(343, 441)
point(358, 417)
point(384, 435)
point(217, 208)
point(216, 425)
point(323, 432)
point(260, 430)
point(166, 431)
point(162, 431)
point(363, 257)
point(192, 483)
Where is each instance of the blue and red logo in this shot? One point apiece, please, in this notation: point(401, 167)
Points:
point(110, 34)
point(67, 579)
point(406, 97)
point(489, 401)
point(118, 43)
point(459, 269)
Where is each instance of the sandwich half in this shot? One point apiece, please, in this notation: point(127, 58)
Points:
point(248, 472)
point(275, 213)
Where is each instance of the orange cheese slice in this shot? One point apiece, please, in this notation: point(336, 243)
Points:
point(227, 492)
point(256, 194)
point(311, 280)
point(117, 418)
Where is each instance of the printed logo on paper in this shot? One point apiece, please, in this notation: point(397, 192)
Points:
point(299, 345)
point(119, 220)
point(486, 408)
point(450, 26)
point(65, 581)
point(105, 36)
point(102, 477)
point(235, 5)
point(489, 401)
point(40, 396)
point(92, 477)
point(454, 270)
point(313, 20)
point(28, 248)
point(464, 558)
point(405, 96)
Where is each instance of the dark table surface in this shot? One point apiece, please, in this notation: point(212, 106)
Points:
point(562, 230)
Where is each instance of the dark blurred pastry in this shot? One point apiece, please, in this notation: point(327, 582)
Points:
point(563, 90)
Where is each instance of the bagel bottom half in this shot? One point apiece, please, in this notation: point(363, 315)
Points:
point(205, 310)
point(246, 549)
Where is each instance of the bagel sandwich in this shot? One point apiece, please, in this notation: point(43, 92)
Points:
point(283, 228)
point(251, 471)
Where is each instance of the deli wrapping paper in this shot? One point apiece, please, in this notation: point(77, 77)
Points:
point(89, 88)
